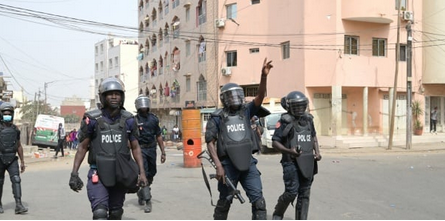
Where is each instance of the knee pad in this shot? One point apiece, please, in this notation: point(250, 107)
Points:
point(100, 213)
point(259, 209)
point(222, 209)
point(288, 197)
point(15, 179)
point(304, 193)
point(259, 204)
point(116, 214)
point(222, 205)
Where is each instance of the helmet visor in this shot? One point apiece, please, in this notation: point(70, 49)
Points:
point(233, 98)
point(297, 108)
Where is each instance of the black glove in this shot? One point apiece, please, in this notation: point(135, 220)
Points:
point(76, 183)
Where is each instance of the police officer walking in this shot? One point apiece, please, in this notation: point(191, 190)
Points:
point(149, 136)
point(229, 139)
point(296, 139)
point(106, 133)
point(10, 145)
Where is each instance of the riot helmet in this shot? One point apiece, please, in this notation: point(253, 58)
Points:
point(232, 96)
point(296, 103)
point(142, 101)
point(6, 107)
point(111, 84)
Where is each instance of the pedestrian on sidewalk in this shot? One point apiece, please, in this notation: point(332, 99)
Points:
point(230, 143)
point(108, 135)
point(10, 146)
point(61, 140)
point(433, 120)
point(296, 139)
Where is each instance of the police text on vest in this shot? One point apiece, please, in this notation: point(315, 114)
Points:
point(115, 138)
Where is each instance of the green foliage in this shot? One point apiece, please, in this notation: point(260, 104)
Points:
point(417, 110)
point(31, 109)
point(71, 118)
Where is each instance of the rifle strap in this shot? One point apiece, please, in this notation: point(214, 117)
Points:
point(206, 180)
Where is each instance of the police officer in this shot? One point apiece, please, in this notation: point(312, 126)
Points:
point(149, 136)
point(296, 139)
point(10, 145)
point(229, 139)
point(105, 133)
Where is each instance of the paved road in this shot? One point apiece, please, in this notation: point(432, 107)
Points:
point(375, 185)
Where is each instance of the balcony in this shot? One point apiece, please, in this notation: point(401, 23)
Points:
point(377, 11)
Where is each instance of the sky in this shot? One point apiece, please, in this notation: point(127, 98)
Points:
point(34, 51)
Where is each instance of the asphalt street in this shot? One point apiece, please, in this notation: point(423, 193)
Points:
point(358, 186)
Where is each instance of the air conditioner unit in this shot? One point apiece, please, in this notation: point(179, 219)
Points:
point(408, 16)
point(220, 23)
point(226, 71)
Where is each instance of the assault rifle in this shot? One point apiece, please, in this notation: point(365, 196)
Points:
point(234, 193)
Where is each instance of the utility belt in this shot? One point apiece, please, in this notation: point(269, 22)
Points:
point(287, 158)
point(146, 146)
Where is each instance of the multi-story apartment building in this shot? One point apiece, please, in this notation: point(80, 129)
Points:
point(115, 57)
point(340, 53)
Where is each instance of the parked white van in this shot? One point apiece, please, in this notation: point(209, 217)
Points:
point(269, 122)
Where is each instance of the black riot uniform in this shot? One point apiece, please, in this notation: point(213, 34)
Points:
point(230, 127)
point(10, 146)
point(295, 137)
point(104, 134)
point(149, 138)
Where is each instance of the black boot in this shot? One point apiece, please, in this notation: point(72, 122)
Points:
point(302, 209)
point(19, 208)
point(140, 197)
point(147, 208)
point(1, 209)
point(282, 204)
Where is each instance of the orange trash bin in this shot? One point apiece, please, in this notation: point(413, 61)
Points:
point(191, 137)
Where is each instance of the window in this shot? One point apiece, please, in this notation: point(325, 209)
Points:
point(101, 49)
point(379, 47)
point(101, 66)
point(285, 50)
point(97, 67)
point(116, 61)
point(187, 84)
point(403, 53)
point(187, 48)
point(231, 58)
point(187, 14)
point(231, 11)
point(402, 4)
point(254, 50)
point(251, 90)
point(96, 51)
point(201, 50)
point(201, 11)
point(351, 45)
point(202, 89)
point(110, 63)
point(253, 2)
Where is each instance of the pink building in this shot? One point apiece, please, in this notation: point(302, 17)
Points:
point(340, 53)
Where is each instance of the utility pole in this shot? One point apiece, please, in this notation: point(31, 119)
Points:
point(409, 115)
point(394, 97)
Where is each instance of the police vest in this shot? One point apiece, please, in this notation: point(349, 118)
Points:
point(146, 127)
point(235, 139)
point(300, 135)
point(108, 139)
point(8, 143)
